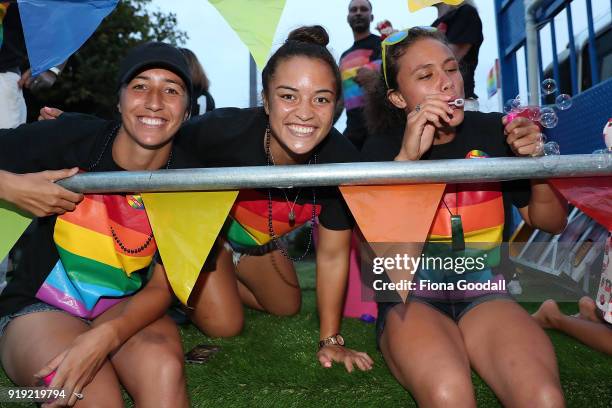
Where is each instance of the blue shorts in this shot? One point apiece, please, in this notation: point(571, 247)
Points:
point(33, 308)
point(455, 310)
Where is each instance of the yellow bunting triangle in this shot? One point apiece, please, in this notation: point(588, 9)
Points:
point(394, 219)
point(254, 21)
point(186, 226)
point(13, 222)
point(415, 5)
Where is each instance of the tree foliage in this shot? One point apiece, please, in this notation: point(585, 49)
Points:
point(88, 83)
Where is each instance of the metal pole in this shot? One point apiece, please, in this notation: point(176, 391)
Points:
point(419, 172)
point(531, 42)
point(252, 82)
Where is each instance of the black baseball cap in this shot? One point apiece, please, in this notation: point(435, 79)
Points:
point(154, 55)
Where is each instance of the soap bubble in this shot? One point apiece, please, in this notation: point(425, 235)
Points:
point(603, 158)
point(548, 118)
point(513, 105)
point(551, 149)
point(539, 150)
point(517, 104)
point(509, 106)
point(546, 109)
point(563, 101)
point(548, 86)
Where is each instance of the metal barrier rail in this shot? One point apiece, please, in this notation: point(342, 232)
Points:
point(418, 172)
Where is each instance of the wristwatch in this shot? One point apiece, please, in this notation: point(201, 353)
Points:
point(335, 339)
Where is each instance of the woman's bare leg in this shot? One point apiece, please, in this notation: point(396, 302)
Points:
point(587, 327)
point(270, 283)
point(424, 350)
point(216, 306)
point(31, 341)
point(150, 364)
point(512, 354)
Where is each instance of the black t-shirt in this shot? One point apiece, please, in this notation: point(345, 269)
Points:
point(230, 137)
point(72, 140)
point(13, 53)
point(364, 53)
point(463, 26)
point(479, 131)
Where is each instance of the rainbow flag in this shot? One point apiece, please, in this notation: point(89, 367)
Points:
point(493, 79)
point(481, 208)
point(3, 10)
point(248, 220)
point(100, 245)
point(350, 64)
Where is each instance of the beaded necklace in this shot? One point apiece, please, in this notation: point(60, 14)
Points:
point(273, 236)
point(116, 238)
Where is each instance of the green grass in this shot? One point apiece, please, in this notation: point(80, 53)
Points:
point(273, 364)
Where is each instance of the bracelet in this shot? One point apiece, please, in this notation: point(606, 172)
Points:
point(55, 70)
point(335, 339)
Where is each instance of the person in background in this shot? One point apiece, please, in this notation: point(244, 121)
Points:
point(14, 76)
point(593, 323)
point(201, 84)
point(15, 73)
point(363, 56)
point(463, 29)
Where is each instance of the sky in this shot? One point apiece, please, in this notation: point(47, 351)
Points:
point(226, 59)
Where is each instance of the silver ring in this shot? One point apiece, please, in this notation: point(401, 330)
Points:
point(417, 108)
point(78, 395)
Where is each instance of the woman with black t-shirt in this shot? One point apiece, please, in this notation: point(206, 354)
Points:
point(431, 342)
point(301, 84)
point(80, 314)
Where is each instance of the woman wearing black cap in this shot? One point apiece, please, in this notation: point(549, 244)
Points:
point(301, 84)
point(79, 314)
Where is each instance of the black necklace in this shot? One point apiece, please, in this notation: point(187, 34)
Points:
point(457, 237)
point(273, 236)
point(111, 136)
point(130, 250)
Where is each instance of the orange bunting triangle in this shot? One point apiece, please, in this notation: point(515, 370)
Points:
point(394, 219)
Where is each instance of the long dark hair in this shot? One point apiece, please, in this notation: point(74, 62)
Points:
point(307, 41)
point(380, 114)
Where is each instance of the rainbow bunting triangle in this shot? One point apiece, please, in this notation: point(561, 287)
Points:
point(13, 222)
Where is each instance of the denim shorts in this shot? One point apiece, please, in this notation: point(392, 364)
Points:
point(33, 308)
point(238, 252)
point(455, 310)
